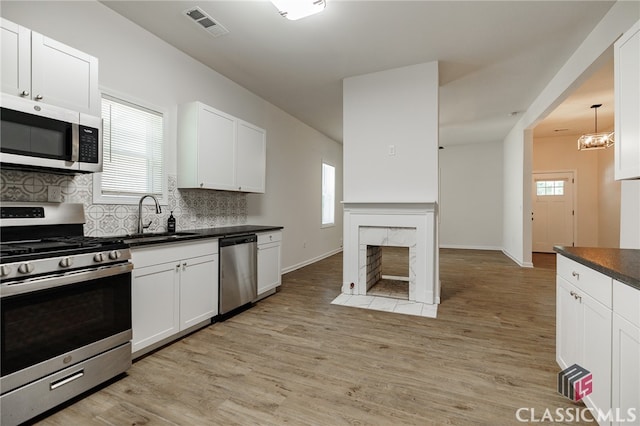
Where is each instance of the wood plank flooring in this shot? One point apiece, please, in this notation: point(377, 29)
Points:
point(296, 359)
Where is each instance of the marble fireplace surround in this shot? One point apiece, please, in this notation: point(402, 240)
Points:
point(410, 225)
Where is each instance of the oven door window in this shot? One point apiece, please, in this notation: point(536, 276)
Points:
point(34, 136)
point(40, 325)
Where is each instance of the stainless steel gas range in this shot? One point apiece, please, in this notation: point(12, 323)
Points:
point(65, 315)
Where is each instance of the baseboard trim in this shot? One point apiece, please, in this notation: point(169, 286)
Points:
point(465, 247)
point(310, 261)
point(521, 264)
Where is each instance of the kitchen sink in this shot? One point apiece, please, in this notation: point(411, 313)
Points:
point(155, 236)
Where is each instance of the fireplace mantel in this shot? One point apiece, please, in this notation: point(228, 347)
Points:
point(417, 218)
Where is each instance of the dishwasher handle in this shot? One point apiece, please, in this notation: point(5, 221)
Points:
point(239, 239)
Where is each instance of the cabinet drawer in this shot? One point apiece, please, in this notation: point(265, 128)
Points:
point(269, 237)
point(592, 282)
point(169, 252)
point(626, 302)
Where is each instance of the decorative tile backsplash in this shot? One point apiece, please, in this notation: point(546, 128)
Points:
point(192, 208)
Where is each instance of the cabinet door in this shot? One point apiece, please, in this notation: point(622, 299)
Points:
point(268, 267)
point(627, 104)
point(198, 290)
point(15, 70)
point(251, 157)
point(64, 76)
point(216, 149)
point(568, 312)
point(626, 367)
point(595, 327)
point(154, 304)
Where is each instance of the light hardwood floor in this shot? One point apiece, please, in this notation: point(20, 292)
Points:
point(296, 359)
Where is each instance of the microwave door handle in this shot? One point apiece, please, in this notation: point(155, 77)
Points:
point(75, 142)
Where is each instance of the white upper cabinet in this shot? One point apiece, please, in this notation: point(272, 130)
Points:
point(251, 144)
point(627, 104)
point(16, 59)
point(219, 151)
point(39, 68)
point(206, 148)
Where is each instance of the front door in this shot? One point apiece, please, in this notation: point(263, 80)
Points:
point(553, 211)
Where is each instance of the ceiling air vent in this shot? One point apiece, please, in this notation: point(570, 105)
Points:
point(206, 22)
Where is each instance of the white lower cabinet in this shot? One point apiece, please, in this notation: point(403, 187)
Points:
point(626, 353)
point(269, 261)
point(174, 287)
point(598, 328)
point(584, 338)
point(154, 311)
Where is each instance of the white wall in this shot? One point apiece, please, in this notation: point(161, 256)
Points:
point(609, 193)
point(592, 53)
point(471, 196)
point(138, 64)
point(395, 108)
point(630, 215)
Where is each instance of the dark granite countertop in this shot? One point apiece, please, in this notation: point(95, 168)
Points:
point(195, 234)
point(620, 264)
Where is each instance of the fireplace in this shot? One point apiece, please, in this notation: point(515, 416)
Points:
point(370, 226)
point(388, 272)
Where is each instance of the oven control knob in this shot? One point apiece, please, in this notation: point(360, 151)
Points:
point(5, 270)
point(115, 255)
point(98, 257)
point(65, 262)
point(25, 268)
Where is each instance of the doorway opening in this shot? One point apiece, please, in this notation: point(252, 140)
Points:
point(553, 213)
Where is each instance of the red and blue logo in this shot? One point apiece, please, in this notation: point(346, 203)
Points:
point(575, 382)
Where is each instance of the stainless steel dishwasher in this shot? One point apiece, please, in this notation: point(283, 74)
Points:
point(238, 271)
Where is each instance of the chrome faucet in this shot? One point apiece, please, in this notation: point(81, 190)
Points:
point(141, 226)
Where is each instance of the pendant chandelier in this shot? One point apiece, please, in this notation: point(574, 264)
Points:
point(595, 140)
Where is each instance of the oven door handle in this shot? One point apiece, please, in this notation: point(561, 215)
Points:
point(43, 283)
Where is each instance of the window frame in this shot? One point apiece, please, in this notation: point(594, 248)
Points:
point(98, 196)
point(551, 184)
point(322, 169)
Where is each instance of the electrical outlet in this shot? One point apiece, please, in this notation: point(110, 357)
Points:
point(304, 244)
point(392, 150)
point(54, 194)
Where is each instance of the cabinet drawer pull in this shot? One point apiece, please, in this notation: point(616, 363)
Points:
point(68, 379)
point(575, 274)
point(39, 97)
point(24, 93)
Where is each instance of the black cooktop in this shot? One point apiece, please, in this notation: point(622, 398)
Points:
point(17, 251)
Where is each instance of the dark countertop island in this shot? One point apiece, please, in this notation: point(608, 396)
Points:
point(136, 240)
point(620, 264)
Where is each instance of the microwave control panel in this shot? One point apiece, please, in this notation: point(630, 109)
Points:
point(88, 145)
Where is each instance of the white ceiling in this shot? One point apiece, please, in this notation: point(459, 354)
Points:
point(495, 56)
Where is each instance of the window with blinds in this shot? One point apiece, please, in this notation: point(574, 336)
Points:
point(328, 194)
point(133, 149)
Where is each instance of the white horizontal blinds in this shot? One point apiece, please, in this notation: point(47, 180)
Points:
point(133, 155)
point(328, 193)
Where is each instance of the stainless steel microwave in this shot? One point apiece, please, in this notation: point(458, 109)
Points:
point(34, 135)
